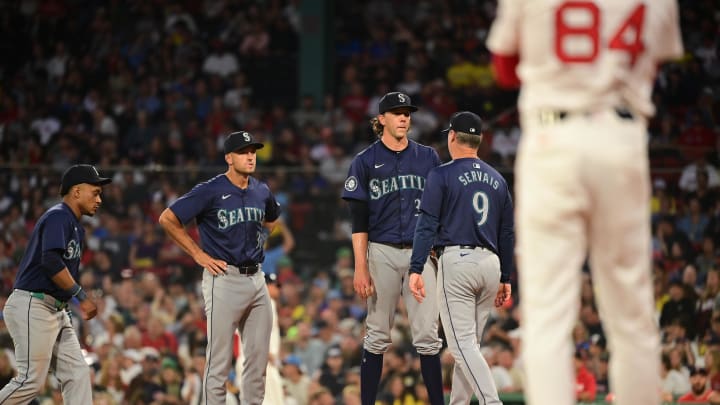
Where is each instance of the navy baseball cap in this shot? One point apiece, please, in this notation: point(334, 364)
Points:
point(395, 100)
point(239, 140)
point(465, 121)
point(79, 174)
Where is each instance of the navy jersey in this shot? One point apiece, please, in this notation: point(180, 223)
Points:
point(57, 229)
point(392, 184)
point(230, 219)
point(472, 203)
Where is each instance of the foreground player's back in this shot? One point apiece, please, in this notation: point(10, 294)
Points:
point(581, 54)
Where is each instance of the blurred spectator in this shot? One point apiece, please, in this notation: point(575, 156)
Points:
point(674, 382)
point(504, 373)
point(146, 387)
point(694, 222)
point(296, 382)
point(699, 391)
point(321, 396)
point(689, 177)
point(332, 373)
point(708, 258)
point(586, 388)
point(662, 203)
point(279, 244)
point(679, 308)
point(220, 61)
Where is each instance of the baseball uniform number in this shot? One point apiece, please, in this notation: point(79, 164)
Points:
point(628, 37)
point(481, 205)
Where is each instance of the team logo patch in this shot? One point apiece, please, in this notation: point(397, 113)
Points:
point(351, 183)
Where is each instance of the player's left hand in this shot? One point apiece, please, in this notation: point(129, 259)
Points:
point(89, 310)
point(417, 286)
point(503, 294)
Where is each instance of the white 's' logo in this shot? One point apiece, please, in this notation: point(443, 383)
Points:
point(401, 97)
point(246, 137)
point(472, 130)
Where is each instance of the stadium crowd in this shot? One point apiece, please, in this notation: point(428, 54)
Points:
point(146, 90)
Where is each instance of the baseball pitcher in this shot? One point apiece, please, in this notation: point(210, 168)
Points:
point(582, 183)
point(383, 189)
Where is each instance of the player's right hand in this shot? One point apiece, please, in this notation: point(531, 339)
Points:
point(503, 294)
point(363, 282)
point(417, 286)
point(216, 267)
point(89, 310)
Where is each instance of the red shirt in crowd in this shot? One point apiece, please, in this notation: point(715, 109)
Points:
point(690, 397)
point(585, 384)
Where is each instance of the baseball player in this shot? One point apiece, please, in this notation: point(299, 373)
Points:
point(383, 189)
point(469, 216)
point(230, 210)
point(36, 312)
point(587, 70)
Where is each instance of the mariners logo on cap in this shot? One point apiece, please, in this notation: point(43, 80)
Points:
point(351, 183)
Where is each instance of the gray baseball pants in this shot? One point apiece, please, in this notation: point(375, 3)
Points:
point(389, 267)
point(468, 281)
point(44, 339)
point(236, 301)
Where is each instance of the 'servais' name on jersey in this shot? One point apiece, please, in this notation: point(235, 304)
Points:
point(478, 176)
point(379, 188)
point(232, 217)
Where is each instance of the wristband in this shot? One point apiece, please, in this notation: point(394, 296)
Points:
point(77, 292)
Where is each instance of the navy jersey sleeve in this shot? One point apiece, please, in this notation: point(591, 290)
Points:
point(191, 204)
point(56, 232)
point(432, 198)
point(506, 239)
point(436, 158)
point(272, 208)
point(357, 181)
point(427, 225)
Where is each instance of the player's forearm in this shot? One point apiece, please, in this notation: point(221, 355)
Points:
point(63, 279)
point(172, 226)
point(425, 232)
point(66, 282)
point(360, 246)
point(288, 239)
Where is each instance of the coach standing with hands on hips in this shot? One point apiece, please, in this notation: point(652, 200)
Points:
point(231, 210)
point(36, 312)
point(467, 212)
point(383, 189)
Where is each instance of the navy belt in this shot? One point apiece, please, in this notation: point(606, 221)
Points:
point(440, 249)
point(403, 245)
point(47, 298)
point(247, 268)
